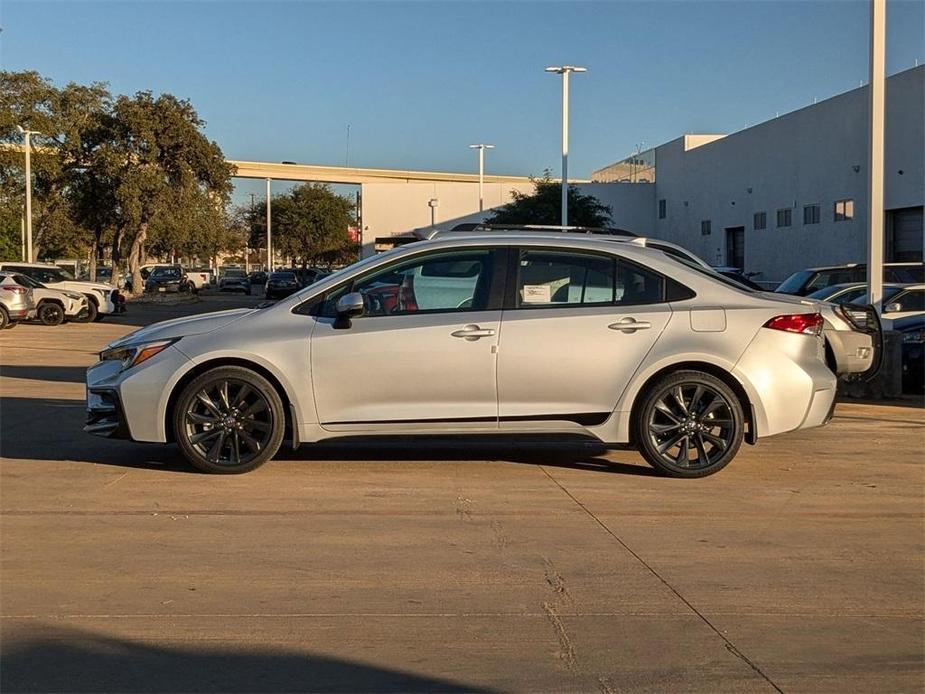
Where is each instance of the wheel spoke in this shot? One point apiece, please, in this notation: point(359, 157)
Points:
point(259, 406)
point(713, 406)
point(240, 399)
point(197, 418)
point(678, 395)
point(683, 458)
point(702, 457)
point(695, 400)
point(235, 448)
point(250, 441)
point(663, 428)
point(216, 451)
point(204, 436)
point(662, 407)
point(203, 397)
point(718, 422)
point(666, 446)
point(223, 395)
point(251, 424)
point(715, 440)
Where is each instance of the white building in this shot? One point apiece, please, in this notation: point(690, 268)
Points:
point(791, 192)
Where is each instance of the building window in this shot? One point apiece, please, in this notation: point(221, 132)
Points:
point(784, 217)
point(844, 210)
point(761, 221)
point(705, 228)
point(810, 214)
point(662, 208)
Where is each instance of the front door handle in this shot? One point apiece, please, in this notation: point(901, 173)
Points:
point(473, 332)
point(630, 325)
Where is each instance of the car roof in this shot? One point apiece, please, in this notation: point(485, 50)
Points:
point(847, 266)
point(24, 264)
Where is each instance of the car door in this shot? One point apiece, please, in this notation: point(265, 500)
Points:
point(422, 355)
point(575, 328)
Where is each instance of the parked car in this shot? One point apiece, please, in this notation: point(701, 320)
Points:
point(168, 278)
point(200, 277)
point(102, 299)
point(281, 285)
point(912, 329)
point(54, 306)
point(258, 278)
point(609, 340)
point(736, 274)
point(850, 292)
point(808, 281)
point(908, 301)
point(16, 300)
point(235, 280)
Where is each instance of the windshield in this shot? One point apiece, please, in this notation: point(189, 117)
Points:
point(283, 276)
point(166, 273)
point(27, 281)
point(888, 293)
point(235, 273)
point(794, 283)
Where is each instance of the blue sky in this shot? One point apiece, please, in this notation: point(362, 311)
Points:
point(419, 81)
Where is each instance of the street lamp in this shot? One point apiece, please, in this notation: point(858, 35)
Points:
point(565, 71)
point(27, 137)
point(433, 203)
point(481, 148)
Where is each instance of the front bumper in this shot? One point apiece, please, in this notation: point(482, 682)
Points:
point(105, 416)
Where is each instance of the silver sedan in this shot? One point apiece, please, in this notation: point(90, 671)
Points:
point(480, 333)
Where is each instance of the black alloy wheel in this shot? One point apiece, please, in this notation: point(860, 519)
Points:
point(691, 425)
point(51, 313)
point(229, 420)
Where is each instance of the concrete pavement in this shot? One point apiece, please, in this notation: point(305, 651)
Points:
point(408, 567)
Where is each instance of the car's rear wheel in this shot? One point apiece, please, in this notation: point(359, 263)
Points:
point(689, 424)
point(51, 313)
point(89, 315)
point(229, 420)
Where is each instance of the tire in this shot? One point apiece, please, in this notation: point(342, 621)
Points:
point(51, 313)
point(98, 317)
point(684, 413)
point(5, 319)
point(90, 315)
point(229, 420)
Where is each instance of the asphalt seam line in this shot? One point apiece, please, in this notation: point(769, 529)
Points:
point(729, 645)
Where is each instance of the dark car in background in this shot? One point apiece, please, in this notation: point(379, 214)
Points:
point(257, 278)
point(813, 279)
point(167, 278)
point(235, 280)
point(912, 329)
point(281, 285)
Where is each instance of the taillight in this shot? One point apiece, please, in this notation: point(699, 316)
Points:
point(15, 288)
point(804, 323)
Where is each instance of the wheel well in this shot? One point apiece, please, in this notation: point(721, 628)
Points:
point(830, 358)
point(51, 301)
point(215, 363)
point(751, 433)
point(91, 297)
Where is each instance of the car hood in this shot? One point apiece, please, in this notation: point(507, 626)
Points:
point(81, 285)
point(180, 327)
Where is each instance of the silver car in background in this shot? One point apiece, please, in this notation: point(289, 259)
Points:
point(479, 333)
point(16, 300)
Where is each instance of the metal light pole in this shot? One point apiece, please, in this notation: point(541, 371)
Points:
point(269, 231)
point(27, 136)
point(565, 71)
point(433, 203)
point(875, 153)
point(481, 148)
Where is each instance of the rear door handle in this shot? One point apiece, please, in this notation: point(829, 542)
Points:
point(630, 325)
point(473, 332)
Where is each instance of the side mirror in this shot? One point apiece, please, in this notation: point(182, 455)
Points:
point(895, 307)
point(348, 306)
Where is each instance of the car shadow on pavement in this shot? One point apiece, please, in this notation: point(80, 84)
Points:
point(34, 372)
point(71, 660)
point(52, 429)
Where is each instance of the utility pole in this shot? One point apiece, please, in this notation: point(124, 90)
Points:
point(269, 230)
point(875, 164)
point(481, 148)
point(27, 142)
point(565, 71)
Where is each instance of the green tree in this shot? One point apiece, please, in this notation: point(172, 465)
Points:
point(544, 206)
point(168, 184)
point(309, 224)
point(66, 119)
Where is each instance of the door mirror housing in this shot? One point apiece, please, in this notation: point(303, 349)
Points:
point(348, 306)
point(895, 307)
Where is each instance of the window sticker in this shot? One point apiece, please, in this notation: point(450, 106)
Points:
point(537, 294)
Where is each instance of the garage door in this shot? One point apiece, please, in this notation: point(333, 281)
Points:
point(905, 239)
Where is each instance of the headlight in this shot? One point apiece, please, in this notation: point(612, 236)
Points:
point(134, 354)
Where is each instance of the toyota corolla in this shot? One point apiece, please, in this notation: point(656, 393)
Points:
point(473, 334)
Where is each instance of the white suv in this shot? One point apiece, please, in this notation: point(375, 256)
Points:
point(102, 299)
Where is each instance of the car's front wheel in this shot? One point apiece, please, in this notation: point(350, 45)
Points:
point(89, 315)
point(689, 424)
point(51, 313)
point(229, 420)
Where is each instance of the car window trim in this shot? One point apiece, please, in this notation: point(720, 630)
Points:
point(495, 293)
point(511, 302)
